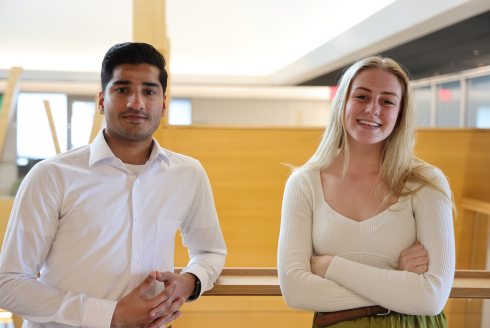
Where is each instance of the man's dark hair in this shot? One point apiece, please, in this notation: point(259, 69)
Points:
point(132, 53)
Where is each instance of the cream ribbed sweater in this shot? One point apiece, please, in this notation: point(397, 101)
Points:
point(363, 271)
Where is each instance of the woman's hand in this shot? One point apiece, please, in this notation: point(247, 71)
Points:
point(414, 259)
point(320, 264)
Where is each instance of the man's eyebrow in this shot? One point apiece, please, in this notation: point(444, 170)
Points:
point(151, 84)
point(124, 82)
point(383, 93)
point(127, 82)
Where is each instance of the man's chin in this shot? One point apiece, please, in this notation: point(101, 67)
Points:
point(135, 134)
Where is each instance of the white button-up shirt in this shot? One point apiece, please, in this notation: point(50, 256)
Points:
point(94, 231)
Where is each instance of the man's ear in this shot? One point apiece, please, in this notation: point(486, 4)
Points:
point(100, 105)
point(164, 109)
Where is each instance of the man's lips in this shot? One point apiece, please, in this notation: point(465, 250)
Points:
point(134, 117)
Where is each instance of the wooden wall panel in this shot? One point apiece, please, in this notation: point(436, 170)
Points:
point(247, 175)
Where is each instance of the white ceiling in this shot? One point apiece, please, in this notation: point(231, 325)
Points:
point(255, 37)
point(223, 41)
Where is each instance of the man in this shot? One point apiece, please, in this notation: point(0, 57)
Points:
point(98, 222)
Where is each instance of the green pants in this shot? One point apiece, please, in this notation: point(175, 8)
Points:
point(393, 320)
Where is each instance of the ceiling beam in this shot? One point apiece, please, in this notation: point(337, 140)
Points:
point(401, 22)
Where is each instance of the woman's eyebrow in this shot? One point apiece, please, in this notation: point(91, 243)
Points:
point(383, 93)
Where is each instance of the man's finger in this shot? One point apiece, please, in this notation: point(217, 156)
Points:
point(164, 295)
point(168, 307)
point(146, 284)
point(164, 276)
point(165, 319)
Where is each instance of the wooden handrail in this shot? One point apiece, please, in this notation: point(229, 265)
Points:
point(264, 282)
point(475, 205)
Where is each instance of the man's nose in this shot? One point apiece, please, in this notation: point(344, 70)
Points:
point(136, 101)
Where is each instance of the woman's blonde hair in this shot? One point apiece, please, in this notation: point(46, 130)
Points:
point(398, 163)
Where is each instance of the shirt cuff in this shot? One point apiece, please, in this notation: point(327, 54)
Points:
point(98, 313)
point(201, 274)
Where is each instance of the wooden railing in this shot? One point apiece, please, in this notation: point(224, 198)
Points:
point(264, 282)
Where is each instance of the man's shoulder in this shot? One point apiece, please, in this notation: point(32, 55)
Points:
point(74, 157)
point(184, 160)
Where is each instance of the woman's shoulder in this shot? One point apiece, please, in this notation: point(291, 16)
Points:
point(428, 181)
point(426, 172)
point(304, 175)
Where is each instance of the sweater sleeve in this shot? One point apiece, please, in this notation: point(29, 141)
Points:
point(403, 291)
point(301, 288)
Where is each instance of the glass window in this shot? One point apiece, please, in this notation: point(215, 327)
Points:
point(448, 107)
point(82, 119)
point(423, 100)
point(479, 102)
point(34, 139)
point(180, 112)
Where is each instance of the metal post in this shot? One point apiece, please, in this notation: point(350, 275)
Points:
point(433, 107)
point(463, 107)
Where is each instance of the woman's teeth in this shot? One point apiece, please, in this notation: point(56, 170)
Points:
point(369, 123)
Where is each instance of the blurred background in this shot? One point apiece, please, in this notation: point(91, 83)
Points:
point(251, 85)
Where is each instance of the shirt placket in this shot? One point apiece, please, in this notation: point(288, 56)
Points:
point(137, 235)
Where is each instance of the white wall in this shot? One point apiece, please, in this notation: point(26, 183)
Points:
point(266, 112)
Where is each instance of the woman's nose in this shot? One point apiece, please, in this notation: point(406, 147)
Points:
point(372, 108)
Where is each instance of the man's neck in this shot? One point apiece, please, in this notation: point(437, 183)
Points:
point(129, 152)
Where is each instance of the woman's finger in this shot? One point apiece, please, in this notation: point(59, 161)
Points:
point(418, 253)
point(420, 261)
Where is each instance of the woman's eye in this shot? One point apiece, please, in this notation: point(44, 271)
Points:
point(389, 102)
point(361, 97)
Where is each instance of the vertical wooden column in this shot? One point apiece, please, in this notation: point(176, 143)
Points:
point(8, 104)
point(52, 127)
point(149, 26)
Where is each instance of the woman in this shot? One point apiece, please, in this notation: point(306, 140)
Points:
point(365, 224)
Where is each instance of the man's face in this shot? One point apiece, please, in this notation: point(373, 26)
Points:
point(133, 102)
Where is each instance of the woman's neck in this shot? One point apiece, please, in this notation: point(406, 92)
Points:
point(363, 159)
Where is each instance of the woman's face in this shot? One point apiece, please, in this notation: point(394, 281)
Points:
point(372, 106)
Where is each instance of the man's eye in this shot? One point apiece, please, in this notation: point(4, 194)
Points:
point(121, 90)
point(150, 92)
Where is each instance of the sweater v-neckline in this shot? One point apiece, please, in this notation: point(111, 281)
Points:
point(324, 201)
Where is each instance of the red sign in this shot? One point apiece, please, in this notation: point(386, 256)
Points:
point(444, 95)
point(333, 92)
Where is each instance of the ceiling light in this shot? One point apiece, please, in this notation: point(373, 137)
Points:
point(5, 315)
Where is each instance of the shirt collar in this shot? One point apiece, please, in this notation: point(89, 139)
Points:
point(99, 150)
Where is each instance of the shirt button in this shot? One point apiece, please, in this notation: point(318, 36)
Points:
point(137, 219)
point(136, 256)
